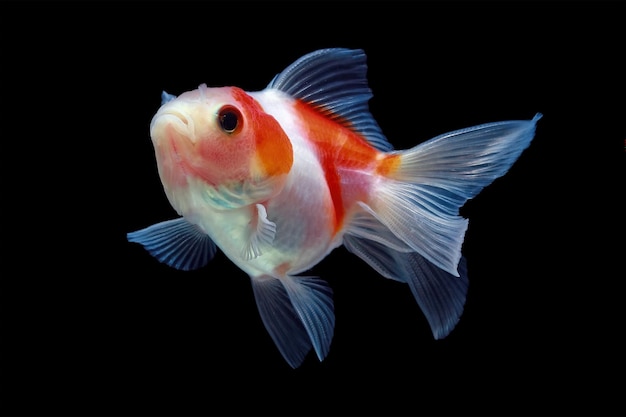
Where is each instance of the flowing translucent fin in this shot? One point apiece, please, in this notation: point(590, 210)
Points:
point(440, 295)
point(365, 225)
point(262, 234)
point(298, 314)
point(312, 299)
point(176, 243)
point(281, 320)
point(420, 200)
point(334, 81)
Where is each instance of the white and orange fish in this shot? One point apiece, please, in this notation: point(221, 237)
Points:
point(279, 178)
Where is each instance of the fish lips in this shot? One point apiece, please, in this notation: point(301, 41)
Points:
point(168, 122)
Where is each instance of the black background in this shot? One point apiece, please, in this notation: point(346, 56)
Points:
point(93, 325)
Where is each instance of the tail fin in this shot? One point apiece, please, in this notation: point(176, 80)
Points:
point(440, 295)
point(419, 200)
point(411, 230)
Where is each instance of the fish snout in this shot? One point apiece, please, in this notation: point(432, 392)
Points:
point(172, 121)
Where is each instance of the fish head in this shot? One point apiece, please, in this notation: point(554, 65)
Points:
point(220, 142)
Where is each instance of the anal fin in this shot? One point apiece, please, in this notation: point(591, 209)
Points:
point(440, 295)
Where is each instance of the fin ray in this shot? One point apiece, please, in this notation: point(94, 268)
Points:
point(364, 224)
point(312, 299)
point(297, 313)
point(440, 295)
point(262, 234)
point(177, 243)
point(420, 201)
point(334, 81)
point(281, 320)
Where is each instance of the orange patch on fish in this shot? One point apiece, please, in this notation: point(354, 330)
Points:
point(273, 148)
point(388, 164)
point(282, 269)
point(274, 153)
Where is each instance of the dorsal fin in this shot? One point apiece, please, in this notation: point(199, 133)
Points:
point(334, 82)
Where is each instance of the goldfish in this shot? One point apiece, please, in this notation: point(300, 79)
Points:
point(279, 178)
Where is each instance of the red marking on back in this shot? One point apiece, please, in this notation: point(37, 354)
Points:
point(337, 147)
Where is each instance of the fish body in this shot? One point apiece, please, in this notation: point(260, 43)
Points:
point(278, 178)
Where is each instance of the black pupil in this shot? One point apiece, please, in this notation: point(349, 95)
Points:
point(228, 120)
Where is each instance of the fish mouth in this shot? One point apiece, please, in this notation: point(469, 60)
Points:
point(170, 119)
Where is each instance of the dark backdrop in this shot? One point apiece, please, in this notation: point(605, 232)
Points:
point(93, 325)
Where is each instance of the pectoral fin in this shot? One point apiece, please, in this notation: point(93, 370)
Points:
point(262, 233)
point(298, 313)
point(177, 243)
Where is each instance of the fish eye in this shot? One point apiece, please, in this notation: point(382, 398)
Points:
point(230, 119)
